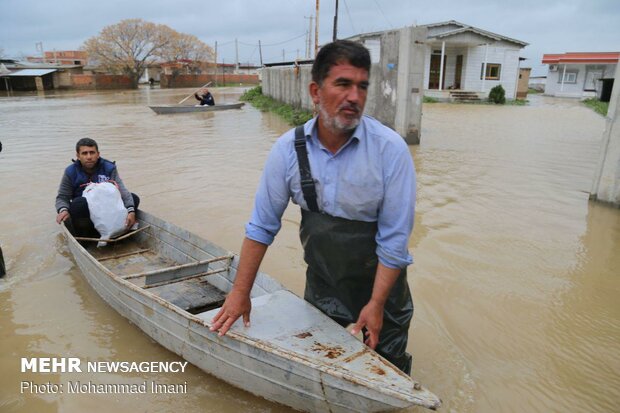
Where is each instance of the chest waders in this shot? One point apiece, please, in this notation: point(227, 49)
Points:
point(342, 264)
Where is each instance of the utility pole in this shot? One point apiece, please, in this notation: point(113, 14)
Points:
point(260, 53)
point(39, 47)
point(216, 63)
point(336, 23)
point(236, 56)
point(316, 30)
point(283, 58)
point(309, 39)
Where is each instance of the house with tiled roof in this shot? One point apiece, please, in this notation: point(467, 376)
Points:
point(580, 74)
point(463, 58)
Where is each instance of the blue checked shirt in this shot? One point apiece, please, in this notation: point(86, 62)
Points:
point(371, 178)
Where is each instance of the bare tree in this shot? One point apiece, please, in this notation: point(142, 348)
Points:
point(130, 46)
point(1, 52)
point(188, 48)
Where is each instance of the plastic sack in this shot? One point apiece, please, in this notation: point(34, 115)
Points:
point(106, 209)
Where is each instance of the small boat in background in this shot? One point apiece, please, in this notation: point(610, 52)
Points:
point(171, 283)
point(167, 109)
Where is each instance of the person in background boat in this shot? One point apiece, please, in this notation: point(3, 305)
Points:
point(89, 167)
point(354, 180)
point(205, 97)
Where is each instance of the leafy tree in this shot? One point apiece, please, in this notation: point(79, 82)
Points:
point(130, 46)
point(497, 95)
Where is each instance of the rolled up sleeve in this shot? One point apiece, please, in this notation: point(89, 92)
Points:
point(396, 215)
point(271, 199)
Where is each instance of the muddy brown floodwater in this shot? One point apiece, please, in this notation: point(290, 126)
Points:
point(516, 276)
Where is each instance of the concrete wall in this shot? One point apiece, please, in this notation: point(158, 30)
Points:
point(396, 82)
point(606, 184)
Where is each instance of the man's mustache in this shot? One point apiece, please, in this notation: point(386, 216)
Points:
point(349, 106)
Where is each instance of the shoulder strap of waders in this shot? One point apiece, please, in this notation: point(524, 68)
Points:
point(307, 183)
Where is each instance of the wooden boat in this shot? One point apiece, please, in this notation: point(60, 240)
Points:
point(170, 283)
point(166, 109)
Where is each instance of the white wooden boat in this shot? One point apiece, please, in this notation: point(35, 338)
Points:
point(167, 109)
point(170, 283)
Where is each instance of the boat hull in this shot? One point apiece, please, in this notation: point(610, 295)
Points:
point(170, 109)
point(284, 356)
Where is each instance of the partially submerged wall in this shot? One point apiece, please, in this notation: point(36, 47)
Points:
point(606, 185)
point(100, 81)
point(396, 82)
point(179, 81)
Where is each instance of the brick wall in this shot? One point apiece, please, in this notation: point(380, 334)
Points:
point(100, 82)
point(179, 81)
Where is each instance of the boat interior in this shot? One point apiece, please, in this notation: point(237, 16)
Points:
point(175, 268)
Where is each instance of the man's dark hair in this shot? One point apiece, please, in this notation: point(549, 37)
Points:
point(340, 51)
point(86, 142)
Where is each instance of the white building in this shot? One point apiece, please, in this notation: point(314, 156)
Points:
point(578, 75)
point(459, 54)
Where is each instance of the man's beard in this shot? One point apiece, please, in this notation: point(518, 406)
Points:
point(336, 123)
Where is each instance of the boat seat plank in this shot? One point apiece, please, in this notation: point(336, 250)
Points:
point(181, 270)
point(116, 239)
point(191, 295)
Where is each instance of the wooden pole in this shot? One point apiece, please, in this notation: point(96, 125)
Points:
point(316, 30)
point(260, 52)
point(205, 85)
point(216, 63)
point(236, 56)
point(336, 23)
point(2, 267)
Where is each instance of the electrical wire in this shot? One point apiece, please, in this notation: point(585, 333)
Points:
point(349, 14)
point(386, 19)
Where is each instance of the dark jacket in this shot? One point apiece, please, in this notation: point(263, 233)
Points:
point(75, 180)
point(206, 99)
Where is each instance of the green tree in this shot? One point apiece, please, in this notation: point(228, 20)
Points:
point(129, 46)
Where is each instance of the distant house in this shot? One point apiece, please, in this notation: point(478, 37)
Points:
point(27, 76)
point(62, 57)
point(578, 74)
point(460, 57)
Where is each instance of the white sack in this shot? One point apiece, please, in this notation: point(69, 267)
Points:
point(106, 208)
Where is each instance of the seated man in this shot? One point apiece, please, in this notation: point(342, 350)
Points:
point(205, 97)
point(89, 167)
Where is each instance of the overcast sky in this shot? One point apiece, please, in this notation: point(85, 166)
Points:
point(549, 26)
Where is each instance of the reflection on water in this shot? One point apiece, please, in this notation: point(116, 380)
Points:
point(515, 277)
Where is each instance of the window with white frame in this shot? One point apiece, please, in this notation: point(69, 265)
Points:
point(570, 76)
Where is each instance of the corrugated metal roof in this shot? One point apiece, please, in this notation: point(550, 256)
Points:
point(31, 72)
point(581, 57)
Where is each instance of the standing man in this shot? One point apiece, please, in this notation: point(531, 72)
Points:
point(89, 167)
point(354, 180)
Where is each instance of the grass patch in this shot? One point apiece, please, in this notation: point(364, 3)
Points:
point(531, 91)
point(517, 102)
point(266, 104)
point(598, 106)
point(428, 99)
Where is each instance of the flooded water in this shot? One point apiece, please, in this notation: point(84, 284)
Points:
point(516, 277)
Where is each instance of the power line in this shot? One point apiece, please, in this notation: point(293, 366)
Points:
point(349, 15)
point(286, 41)
point(386, 19)
point(274, 44)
